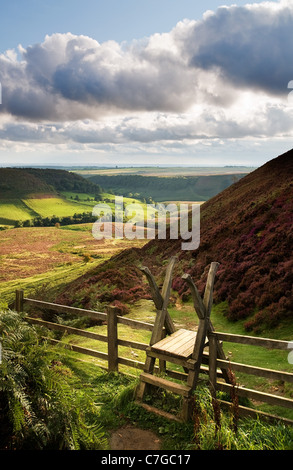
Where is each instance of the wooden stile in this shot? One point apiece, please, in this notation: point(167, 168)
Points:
point(182, 347)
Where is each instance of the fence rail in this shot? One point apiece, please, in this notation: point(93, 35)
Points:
point(215, 362)
point(112, 358)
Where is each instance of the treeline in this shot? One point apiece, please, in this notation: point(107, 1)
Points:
point(63, 180)
point(19, 182)
point(180, 188)
point(83, 218)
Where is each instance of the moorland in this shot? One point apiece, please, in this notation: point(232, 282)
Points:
point(47, 249)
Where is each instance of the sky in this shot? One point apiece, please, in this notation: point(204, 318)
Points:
point(138, 82)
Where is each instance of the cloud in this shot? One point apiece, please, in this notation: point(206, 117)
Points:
point(223, 77)
point(247, 118)
point(69, 77)
point(252, 46)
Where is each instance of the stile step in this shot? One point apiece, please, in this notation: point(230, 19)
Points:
point(183, 390)
point(158, 412)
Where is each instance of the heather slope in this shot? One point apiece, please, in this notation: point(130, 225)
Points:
point(247, 228)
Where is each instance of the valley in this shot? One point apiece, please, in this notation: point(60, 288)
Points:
point(48, 250)
point(55, 233)
point(46, 224)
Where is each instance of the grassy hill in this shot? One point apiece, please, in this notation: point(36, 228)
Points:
point(29, 193)
point(247, 228)
point(19, 182)
point(16, 182)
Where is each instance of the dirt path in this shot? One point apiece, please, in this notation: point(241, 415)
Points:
point(132, 438)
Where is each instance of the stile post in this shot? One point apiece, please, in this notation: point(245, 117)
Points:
point(213, 363)
point(19, 300)
point(112, 339)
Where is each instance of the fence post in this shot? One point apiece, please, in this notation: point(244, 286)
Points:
point(112, 339)
point(19, 301)
point(212, 363)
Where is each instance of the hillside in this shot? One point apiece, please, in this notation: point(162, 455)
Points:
point(247, 228)
point(16, 182)
point(29, 193)
point(21, 182)
point(167, 188)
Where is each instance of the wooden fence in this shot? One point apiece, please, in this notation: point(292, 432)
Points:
point(112, 358)
point(215, 362)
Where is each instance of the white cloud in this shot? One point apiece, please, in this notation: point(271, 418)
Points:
point(224, 77)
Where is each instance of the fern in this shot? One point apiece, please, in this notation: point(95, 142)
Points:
point(39, 405)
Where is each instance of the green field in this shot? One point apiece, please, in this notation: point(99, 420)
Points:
point(65, 205)
point(163, 171)
point(12, 210)
point(56, 206)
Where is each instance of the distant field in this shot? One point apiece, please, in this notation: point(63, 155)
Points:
point(165, 171)
point(13, 209)
point(56, 206)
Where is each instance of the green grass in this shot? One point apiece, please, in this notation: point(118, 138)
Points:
point(186, 317)
point(114, 394)
point(49, 282)
point(66, 205)
point(56, 206)
point(14, 209)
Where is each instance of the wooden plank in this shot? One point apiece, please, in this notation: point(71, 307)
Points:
point(162, 413)
point(130, 363)
point(67, 329)
point(256, 395)
point(79, 349)
point(197, 354)
point(165, 384)
point(112, 339)
point(176, 339)
point(180, 344)
point(136, 324)
point(254, 341)
point(169, 342)
point(185, 349)
point(200, 340)
point(167, 283)
point(132, 344)
point(197, 301)
point(245, 411)
point(64, 309)
point(208, 294)
point(185, 363)
point(258, 371)
point(213, 365)
point(158, 299)
point(160, 344)
point(156, 294)
point(19, 300)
